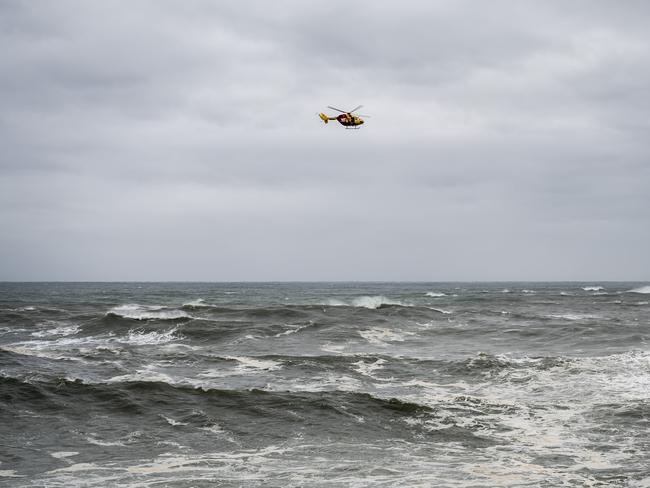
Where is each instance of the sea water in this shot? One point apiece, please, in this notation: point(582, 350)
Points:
point(325, 384)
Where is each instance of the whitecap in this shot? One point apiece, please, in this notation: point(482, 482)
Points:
point(144, 375)
point(592, 288)
point(63, 454)
point(172, 422)
point(642, 289)
point(366, 369)
point(440, 310)
point(198, 303)
point(9, 473)
point(371, 302)
point(97, 442)
point(145, 312)
point(435, 294)
point(292, 330)
point(381, 335)
point(247, 363)
point(60, 329)
point(30, 350)
point(574, 316)
point(333, 348)
point(140, 338)
point(220, 431)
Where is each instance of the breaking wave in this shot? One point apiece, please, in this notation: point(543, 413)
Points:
point(147, 312)
point(642, 289)
point(371, 302)
point(592, 288)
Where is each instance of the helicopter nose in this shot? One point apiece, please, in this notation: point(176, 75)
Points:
point(361, 121)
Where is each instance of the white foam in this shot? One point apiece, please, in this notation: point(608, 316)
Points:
point(642, 289)
point(381, 335)
point(59, 329)
point(9, 473)
point(172, 422)
point(435, 294)
point(146, 374)
point(317, 383)
point(198, 303)
point(574, 316)
point(592, 288)
point(367, 368)
point(248, 363)
point(333, 348)
point(146, 312)
point(63, 454)
point(141, 338)
point(97, 442)
point(220, 431)
point(32, 350)
point(293, 330)
point(440, 310)
point(371, 302)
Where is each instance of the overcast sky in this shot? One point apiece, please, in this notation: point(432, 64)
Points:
point(179, 140)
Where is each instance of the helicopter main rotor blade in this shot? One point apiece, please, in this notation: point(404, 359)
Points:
point(338, 109)
point(355, 109)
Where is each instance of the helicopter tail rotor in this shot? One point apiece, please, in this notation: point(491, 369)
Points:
point(324, 117)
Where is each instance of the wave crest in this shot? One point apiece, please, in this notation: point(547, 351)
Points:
point(370, 302)
point(147, 312)
point(592, 288)
point(645, 290)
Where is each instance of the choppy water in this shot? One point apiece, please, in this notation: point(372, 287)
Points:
point(315, 385)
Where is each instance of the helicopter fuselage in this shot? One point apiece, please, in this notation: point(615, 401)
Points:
point(349, 120)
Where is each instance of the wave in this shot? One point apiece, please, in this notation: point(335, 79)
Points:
point(127, 394)
point(57, 329)
point(575, 316)
point(435, 294)
point(248, 363)
point(138, 337)
point(370, 302)
point(440, 310)
point(147, 312)
point(642, 289)
point(381, 335)
point(198, 303)
point(593, 288)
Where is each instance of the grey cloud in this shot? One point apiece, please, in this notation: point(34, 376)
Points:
point(166, 140)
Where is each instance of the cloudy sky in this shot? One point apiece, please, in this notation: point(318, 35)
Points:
point(179, 140)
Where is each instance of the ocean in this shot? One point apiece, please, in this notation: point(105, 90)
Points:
point(325, 384)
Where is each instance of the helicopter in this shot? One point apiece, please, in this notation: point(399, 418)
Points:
point(347, 117)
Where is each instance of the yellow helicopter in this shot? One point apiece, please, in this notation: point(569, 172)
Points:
point(347, 117)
